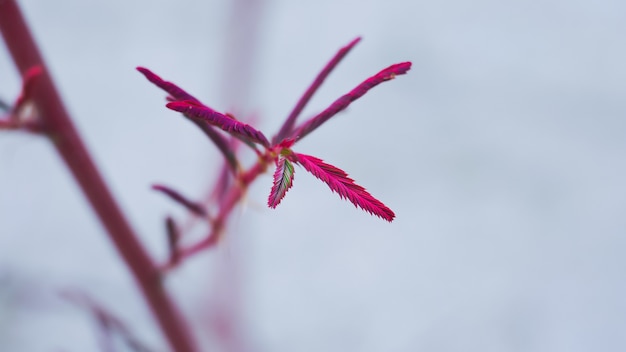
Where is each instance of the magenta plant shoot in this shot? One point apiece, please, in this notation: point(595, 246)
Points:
point(280, 152)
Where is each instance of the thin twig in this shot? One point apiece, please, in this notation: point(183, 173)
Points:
point(233, 196)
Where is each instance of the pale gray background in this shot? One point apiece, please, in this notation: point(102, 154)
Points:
point(502, 153)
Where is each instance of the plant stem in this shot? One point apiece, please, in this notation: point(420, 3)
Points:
point(230, 199)
point(58, 126)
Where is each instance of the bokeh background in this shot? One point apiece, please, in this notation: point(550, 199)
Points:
point(502, 153)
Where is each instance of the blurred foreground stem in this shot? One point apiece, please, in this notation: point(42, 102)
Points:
point(58, 127)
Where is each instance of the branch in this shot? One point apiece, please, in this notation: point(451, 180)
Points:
point(232, 197)
point(67, 142)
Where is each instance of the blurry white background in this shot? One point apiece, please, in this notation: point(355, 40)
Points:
point(501, 152)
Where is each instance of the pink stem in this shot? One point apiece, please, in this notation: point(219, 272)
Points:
point(58, 126)
point(232, 197)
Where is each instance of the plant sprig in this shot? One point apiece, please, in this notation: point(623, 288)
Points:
point(280, 150)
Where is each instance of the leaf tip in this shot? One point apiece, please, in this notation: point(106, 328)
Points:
point(180, 106)
point(339, 182)
point(355, 41)
point(146, 72)
point(402, 67)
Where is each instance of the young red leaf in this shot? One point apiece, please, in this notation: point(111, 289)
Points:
point(343, 102)
point(175, 91)
point(283, 180)
point(339, 182)
point(192, 206)
point(228, 124)
point(178, 94)
point(287, 127)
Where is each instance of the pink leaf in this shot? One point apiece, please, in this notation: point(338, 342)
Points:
point(192, 206)
point(283, 180)
point(175, 91)
point(339, 182)
point(228, 124)
point(343, 102)
point(287, 127)
point(178, 94)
